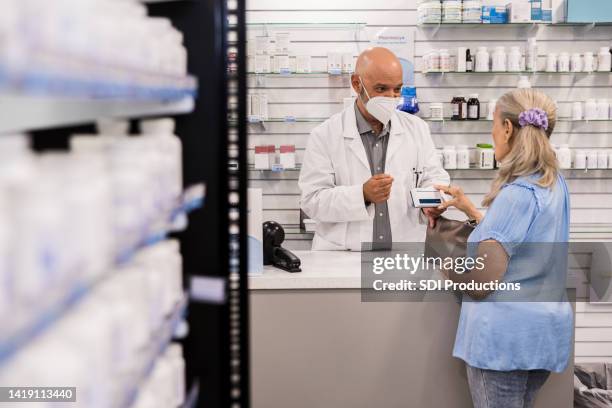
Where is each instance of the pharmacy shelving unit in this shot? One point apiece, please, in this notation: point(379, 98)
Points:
point(525, 73)
point(217, 375)
point(521, 26)
point(266, 28)
point(511, 25)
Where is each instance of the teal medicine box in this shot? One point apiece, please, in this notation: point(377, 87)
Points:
point(589, 11)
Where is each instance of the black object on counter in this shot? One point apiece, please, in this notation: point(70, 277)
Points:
point(274, 254)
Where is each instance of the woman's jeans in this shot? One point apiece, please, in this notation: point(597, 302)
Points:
point(505, 389)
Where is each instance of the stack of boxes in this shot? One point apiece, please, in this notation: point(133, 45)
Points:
point(530, 11)
point(494, 15)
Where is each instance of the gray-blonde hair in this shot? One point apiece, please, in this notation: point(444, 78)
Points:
point(530, 148)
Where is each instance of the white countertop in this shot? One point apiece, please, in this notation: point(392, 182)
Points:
point(333, 270)
point(320, 270)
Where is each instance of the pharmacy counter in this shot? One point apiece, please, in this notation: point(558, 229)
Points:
point(320, 270)
point(314, 343)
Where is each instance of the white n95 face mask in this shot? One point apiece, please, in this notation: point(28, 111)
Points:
point(381, 107)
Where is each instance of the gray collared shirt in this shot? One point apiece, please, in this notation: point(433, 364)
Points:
point(376, 151)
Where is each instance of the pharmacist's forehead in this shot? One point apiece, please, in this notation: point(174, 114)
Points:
point(384, 76)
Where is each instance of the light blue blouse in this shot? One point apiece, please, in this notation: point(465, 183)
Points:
point(521, 335)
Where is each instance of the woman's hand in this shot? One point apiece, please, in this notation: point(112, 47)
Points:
point(459, 201)
point(432, 215)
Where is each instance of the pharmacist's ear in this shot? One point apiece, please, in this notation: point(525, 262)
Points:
point(356, 84)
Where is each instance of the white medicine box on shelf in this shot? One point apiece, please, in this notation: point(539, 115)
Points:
point(486, 156)
point(263, 64)
point(348, 63)
point(264, 157)
point(253, 107)
point(263, 106)
point(287, 156)
point(257, 107)
point(282, 42)
point(334, 63)
point(281, 64)
point(519, 11)
point(303, 64)
point(263, 45)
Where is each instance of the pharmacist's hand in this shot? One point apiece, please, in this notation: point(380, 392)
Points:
point(460, 201)
point(433, 214)
point(377, 188)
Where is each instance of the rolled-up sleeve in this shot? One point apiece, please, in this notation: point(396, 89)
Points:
point(510, 216)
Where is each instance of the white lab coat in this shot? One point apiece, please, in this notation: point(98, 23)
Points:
point(336, 166)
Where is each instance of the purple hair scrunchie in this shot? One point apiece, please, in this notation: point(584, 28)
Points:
point(534, 117)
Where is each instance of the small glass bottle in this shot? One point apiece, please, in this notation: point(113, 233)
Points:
point(469, 61)
point(473, 105)
point(459, 105)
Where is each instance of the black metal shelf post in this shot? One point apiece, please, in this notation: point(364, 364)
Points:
point(238, 183)
point(214, 246)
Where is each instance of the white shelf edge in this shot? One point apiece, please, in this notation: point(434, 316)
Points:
point(19, 112)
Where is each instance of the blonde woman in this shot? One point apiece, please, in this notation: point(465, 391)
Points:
point(510, 347)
